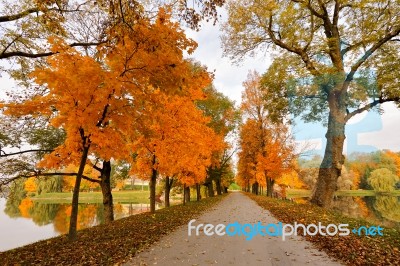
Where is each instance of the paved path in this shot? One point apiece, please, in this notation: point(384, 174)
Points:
point(180, 249)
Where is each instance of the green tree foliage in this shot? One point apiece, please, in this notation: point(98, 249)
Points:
point(224, 121)
point(383, 180)
point(49, 184)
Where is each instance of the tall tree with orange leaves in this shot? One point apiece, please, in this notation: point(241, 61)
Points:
point(268, 145)
point(175, 139)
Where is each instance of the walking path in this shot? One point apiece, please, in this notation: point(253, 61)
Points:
point(180, 249)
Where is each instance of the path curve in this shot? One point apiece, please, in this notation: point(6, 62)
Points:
point(178, 248)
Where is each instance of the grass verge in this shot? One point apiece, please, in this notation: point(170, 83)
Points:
point(351, 249)
point(109, 244)
point(93, 197)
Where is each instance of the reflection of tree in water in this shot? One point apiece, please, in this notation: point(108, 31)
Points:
point(382, 210)
point(18, 205)
point(17, 194)
point(87, 217)
point(389, 207)
point(349, 206)
point(42, 213)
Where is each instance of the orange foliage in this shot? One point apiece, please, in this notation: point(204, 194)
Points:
point(30, 185)
point(138, 98)
point(87, 214)
point(69, 181)
point(396, 158)
point(25, 206)
point(291, 179)
point(179, 138)
point(266, 148)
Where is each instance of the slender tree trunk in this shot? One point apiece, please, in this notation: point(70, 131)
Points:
point(184, 195)
point(198, 192)
point(187, 193)
point(153, 181)
point(75, 197)
point(254, 188)
point(210, 189)
point(218, 185)
point(333, 160)
point(105, 184)
point(168, 186)
point(270, 186)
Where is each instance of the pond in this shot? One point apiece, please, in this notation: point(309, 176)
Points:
point(378, 210)
point(26, 221)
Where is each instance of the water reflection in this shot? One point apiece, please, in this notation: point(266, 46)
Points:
point(59, 214)
point(379, 210)
point(51, 219)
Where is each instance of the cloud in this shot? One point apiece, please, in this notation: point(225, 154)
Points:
point(228, 76)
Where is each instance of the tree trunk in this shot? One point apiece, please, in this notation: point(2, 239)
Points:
point(153, 181)
point(254, 188)
point(198, 197)
point(75, 197)
point(168, 186)
point(105, 184)
point(225, 189)
point(218, 185)
point(210, 189)
point(186, 194)
point(333, 160)
point(270, 187)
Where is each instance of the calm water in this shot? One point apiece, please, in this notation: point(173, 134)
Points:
point(378, 210)
point(25, 221)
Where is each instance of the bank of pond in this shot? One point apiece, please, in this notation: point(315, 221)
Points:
point(29, 219)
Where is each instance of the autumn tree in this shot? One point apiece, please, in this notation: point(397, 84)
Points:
point(336, 58)
point(383, 180)
point(84, 24)
point(268, 144)
point(176, 141)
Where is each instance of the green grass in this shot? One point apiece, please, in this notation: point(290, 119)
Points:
point(94, 197)
point(297, 193)
point(234, 186)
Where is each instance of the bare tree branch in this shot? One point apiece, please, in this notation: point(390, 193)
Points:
point(3, 154)
point(5, 55)
point(371, 105)
point(18, 15)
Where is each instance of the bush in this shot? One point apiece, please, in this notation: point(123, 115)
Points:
point(383, 180)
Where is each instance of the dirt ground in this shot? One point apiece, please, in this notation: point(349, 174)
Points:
point(180, 249)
